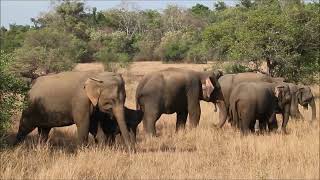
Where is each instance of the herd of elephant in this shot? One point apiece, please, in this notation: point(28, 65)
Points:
point(95, 102)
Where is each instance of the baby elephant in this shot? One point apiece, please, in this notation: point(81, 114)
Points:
point(259, 100)
point(104, 126)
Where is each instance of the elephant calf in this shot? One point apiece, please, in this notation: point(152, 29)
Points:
point(259, 100)
point(104, 126)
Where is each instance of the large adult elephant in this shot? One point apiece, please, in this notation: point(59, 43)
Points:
point(229, 81)
point(301, 95)
point(104, 126)
point(70, 98)
point(178, 91)
point(259, 100)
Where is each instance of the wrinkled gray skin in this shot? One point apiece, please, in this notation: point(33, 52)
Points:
point(229, 81)
point(301, 95)
point(175, 91)
point(70, 98)
point(104, 126)
point(259, 100)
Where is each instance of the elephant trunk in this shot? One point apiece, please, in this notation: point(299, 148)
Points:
point(223, 114)
point(119, 113)
point(313, 106)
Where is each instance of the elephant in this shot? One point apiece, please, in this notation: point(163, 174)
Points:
point(70, 98)
point(229, 81)
point(301, 95)
point(104, 126)
point(259, 100)
point(175, 90)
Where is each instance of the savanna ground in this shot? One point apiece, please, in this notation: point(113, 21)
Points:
point(200, 153)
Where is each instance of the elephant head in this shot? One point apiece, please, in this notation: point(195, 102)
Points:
point(107, 93)
point(305, 98)
point(210, 85)
point(282, 93)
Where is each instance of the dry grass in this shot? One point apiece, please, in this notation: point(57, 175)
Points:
point(198, 153)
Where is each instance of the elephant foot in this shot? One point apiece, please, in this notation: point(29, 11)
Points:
point(215, 126)
point(284, 131)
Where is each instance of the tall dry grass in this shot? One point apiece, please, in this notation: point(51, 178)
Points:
point(200, 153)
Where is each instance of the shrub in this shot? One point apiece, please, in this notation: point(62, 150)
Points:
point(198, 54)
point(235, 68)
point(10, 90)
point(112, 60)
point(174, 46)
point(146, 46)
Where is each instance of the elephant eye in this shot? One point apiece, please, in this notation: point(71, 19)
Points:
point(108, 103)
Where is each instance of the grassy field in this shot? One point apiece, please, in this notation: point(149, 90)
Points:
point(204, 152)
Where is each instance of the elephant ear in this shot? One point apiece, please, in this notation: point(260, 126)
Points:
point(218, 73)
point(93, 90)
point(207, 88)
point(277, 90)
point(300, 93)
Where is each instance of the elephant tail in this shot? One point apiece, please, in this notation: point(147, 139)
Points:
point(234, 114)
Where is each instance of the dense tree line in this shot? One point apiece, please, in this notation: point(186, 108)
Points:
point(284, 34)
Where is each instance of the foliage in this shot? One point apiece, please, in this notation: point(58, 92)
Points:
point(173, 46)
point(49, 50)
point(271, 31)
point(284, 34)
point(235, 68)
point(12, 38)
point(200, 10)
point(10, 90)
point(220, 6)
point(198, 53)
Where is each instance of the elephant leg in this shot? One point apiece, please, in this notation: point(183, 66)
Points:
point(299, 115)
point(194, 109)
point(247, 121)
point(263, 125)
point(272, 123)
point(181, 120)
point(285, 119)
point(110, 140)
point(100, 135)
point(223, 115)
point(133, 134)
point(43, 133)
point(252, 126)
point(82, 121)
point(150, 116)
point(244, 127)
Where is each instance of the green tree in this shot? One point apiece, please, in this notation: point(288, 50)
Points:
point(48, 50)
point(200, 10)
point(220, 6)
point(13, 37)
point(246, 3)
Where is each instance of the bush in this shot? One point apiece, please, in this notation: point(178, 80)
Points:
point(10, 90)
point(116, 52)
point(174, 46)
point(112, 60)
point(146, 46)
point(198, 54)
point(235, 68)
